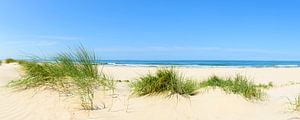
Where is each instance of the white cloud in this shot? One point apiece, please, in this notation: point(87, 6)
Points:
point(49, 37)
point(153, 48)
point(39, 40)
point(264, 51)
point(187, 49)
point(29, 43)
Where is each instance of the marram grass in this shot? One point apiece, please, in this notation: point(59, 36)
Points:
point(39, 74)
point(295, 104)
point(71, 72)
point(10, 60)
point(237, 85)
point(165, 80)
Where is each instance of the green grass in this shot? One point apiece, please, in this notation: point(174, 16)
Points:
point(39, 74)
point(295, 104)
point(10, 60)
point(165, 80)
point(237, 85)
point(74, 72)
point(0, 62)
point(21, 62)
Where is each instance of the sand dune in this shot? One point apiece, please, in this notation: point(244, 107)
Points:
point(207, 105)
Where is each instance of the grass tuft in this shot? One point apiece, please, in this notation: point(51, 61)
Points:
point(21, 62)
point(295, 104)
point(10, 60)
point(39, 74)
point(165, 80)
point(237, 85)
point(71, 72)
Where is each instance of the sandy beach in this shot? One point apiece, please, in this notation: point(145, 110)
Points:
point(149, 60)
point(208, 104)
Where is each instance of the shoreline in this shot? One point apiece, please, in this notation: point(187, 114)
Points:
point(258, 75)
point(204, 63)
point(197, 66)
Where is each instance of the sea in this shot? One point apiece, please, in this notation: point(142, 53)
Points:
point(203, 63)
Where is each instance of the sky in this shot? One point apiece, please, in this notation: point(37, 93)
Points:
point(153, 29)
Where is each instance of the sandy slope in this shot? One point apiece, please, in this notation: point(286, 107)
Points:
point(207, 105)
point(29, 104)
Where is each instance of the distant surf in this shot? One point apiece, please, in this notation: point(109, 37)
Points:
point(202, 63)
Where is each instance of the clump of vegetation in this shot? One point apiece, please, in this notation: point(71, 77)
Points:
point(295, 104)
point(21, 62)
point(237, 85)
point(266, 86)
point(39, 74)
point(165, 80)
point(10, 60)
point(71, 72)
point(0, 62)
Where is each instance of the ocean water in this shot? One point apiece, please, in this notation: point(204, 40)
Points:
point(202, 63)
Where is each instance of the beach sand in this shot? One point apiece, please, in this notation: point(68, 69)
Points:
point(209, 104)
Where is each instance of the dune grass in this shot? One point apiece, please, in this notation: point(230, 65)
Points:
point(295, 104)
point(10, 60)
point(165, 80)
point(39, 74)
point(80, 66)
point(237, 85)
point(21, 62)
point(75, 72)
point(0, 62)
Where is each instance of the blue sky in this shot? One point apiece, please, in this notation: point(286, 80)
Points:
point(153, 29)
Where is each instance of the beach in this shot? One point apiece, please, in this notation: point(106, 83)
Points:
point(149, 60)
point(208, 104)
